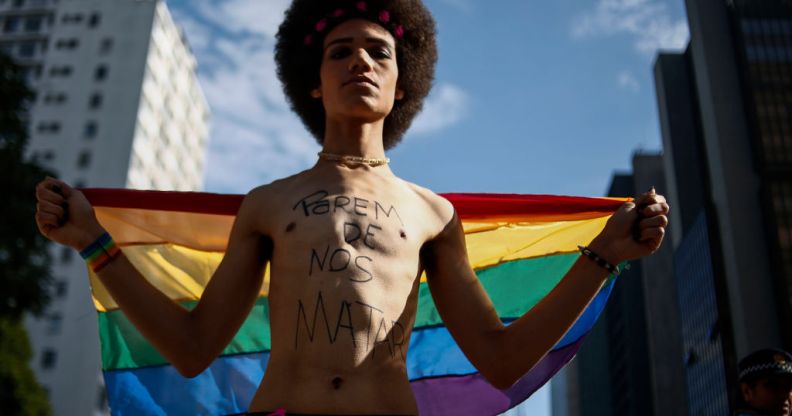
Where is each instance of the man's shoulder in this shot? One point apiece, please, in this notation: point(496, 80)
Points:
point(267, 199)
point(270, 191)
point(430, 197)
point(439, 207)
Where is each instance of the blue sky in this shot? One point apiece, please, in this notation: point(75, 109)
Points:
point(543, 97)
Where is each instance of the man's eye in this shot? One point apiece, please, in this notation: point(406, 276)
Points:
point(339, 53)
point(380, 53)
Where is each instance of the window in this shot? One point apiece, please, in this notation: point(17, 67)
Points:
point(54, 323)
point(33, 24)
point(67, 43)
point(101, 398)
point(94, 20)
point(35, 72)
point(11, 24)
point(53, 98)
point(27, 49)
point(106, 46)
point(61, 286)
point(48, 358)
point(136, 163)
point(49, 127)
point(95, 101)
point(72, 18)
point(90, 130)
point(60, 71)
point(84, 160)
point(101, 73)
point(786, 26)
point(66, 255)
point(39, 155)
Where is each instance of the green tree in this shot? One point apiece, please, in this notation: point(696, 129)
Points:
point(20, 393)
point(24, 259)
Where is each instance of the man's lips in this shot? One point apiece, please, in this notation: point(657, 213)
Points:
point(360, 80)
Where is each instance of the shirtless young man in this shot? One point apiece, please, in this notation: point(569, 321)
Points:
point(348, 240)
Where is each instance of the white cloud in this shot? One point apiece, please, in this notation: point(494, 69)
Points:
point(446, 105)
point(628, 81)
point(648, 21)
point(255, 137)
point(245, 157)
point(198, 36)
point(241, 16)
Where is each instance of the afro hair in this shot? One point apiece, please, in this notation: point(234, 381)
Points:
point(298, 56)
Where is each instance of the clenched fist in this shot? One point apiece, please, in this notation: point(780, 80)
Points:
point(64, 215)
point(635, 230)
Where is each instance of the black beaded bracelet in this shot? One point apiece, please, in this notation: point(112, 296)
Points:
point(614, 270)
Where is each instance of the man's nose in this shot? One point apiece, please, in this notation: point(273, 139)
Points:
point(361, 62)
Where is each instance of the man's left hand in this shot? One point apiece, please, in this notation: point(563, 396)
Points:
point(635, 230)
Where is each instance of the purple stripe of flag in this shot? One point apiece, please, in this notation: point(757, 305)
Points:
point(473, 395)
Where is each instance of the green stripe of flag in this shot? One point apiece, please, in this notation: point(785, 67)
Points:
point(514, 287)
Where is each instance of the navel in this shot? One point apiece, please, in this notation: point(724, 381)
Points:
point(290, 227)
point(403, 234)
point(337, 382)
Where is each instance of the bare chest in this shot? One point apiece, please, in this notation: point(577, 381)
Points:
point(343, 274)
point(348, 235)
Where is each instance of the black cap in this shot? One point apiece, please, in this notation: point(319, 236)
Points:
point(766, 362)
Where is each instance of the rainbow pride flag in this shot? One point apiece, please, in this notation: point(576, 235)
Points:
point(521, 246)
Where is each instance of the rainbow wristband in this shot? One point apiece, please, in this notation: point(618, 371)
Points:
point(100, 253)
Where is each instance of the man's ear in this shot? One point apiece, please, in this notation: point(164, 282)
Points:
point(316, 93)
point(745, 389)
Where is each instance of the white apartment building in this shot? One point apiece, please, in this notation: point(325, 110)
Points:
point(118, 105)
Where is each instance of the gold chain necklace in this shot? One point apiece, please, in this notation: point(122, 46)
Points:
point(353, 159)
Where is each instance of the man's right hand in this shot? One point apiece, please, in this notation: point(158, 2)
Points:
point(189, 340)
point(64, 215)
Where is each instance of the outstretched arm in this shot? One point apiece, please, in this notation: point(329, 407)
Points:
point(190, 340)
point(504, 353)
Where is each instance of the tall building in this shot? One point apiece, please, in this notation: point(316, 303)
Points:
point(725, 106)
point(118, 105)
point(725, 116)
point(740, 59)
point(705, 323)
point(630, 363)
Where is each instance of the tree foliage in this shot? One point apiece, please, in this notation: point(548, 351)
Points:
point(20, 394)
point(24, 259)
point(24, 275)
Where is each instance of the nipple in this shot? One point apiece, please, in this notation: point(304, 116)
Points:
point(337, 382)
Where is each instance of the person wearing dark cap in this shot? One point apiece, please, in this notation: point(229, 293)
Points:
point(765, 384)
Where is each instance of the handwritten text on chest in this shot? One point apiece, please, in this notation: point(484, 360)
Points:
point(367, 223)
